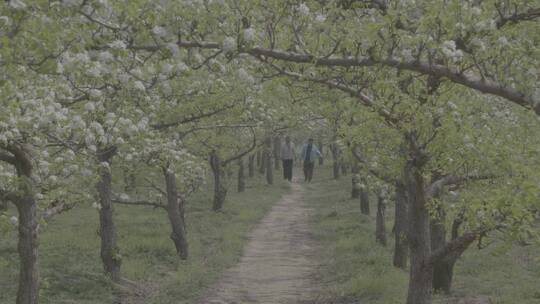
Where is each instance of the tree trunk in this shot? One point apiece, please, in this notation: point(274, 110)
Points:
point(175, 212)
point(241, 176)
point(355, 192)
point(251, 165)
point(364, 198)
point(267, 159)
point(28, 290)
point(335, 159)
point(3, 205)
point(258, 158)
point(28, 228)
point(380, 228)
point(130, 180)
point(401, 248)
point(277, 152)
point(321, 160)
point(220, 191)
point(344, 168)
point(421, 271)
point(262, 164)
point(110, 255)
point(443, 269)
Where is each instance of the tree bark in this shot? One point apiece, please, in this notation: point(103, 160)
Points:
point(443, 269)
point(401, 248)
point(3, 205)
point(421, 271)
point(110, 255)
point(28, 291)
point(220, 191)
point(364, 197)
point(262, 164)
point(267, 159)
point(380, 230)
point(251, 165)
point(241, 176)
point(175, 212)
point(277, 152)
point(344, 168)
point(258, 158)
point(355, 192)
point(130, 180)
point(336, 163)
point(321, 160)
point(28, 226)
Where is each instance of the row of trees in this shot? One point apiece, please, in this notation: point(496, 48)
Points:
point(91, 86)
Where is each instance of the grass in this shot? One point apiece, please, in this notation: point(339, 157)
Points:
point(71, 270)
point(355, 269)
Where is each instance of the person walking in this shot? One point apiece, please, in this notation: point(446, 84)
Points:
point(309, 155)
point(287, 156)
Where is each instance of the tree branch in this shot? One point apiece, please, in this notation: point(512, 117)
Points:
point(189, 119)
point(138, 203)
point(377, 174)
point(469, 80)
point(529, 15)
point(240, 155)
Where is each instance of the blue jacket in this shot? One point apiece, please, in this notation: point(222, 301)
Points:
point(315, 153)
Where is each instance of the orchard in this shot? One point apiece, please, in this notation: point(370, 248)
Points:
point(141, 148)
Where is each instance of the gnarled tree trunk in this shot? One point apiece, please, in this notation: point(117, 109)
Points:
point(110, 255)
point(380, 228)
point(267, 159)
point(421, 270)
point(355, 190)
point(220, 191)
point(401, 248)
point(28, 225)
point(28, 290)
point(364, 197)
point(344, 168)
point(130, 180)
point(175, 212)
point(251, 165)
point(336, 163)
point(262, 163)
point(321, 148)
point(241, 176)
point(277, 152)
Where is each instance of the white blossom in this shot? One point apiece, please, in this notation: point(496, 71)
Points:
point(95, 94)
point(249, 34)
point(118, 45)
point(303, 9)
point(181, 67)
point(139, 86)
point(320, 18)
point(14, 221)
point(89, 106)
point(160, 31)
point(17, 4)
point(229, 44)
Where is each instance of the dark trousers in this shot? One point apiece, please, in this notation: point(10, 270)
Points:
point(308, 170)
point(287, 169)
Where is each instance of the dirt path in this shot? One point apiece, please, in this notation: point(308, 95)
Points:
point(277, 263)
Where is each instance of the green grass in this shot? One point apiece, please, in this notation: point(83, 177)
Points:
point(71, 270)
point(355, 269)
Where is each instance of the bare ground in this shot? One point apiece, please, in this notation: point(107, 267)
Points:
point(277, 266)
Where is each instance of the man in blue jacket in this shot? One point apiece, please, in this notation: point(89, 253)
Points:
point(309, 155)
